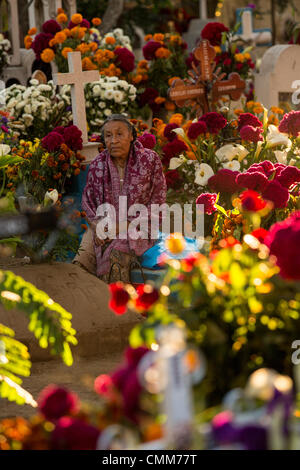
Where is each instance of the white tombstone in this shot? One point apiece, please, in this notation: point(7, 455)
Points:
point(280, 68)
point(77, 78)
point(43, 10)
point(196, 25)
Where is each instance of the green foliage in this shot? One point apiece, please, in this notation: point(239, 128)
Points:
point(14, 361)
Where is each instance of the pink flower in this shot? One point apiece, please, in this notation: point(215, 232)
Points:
point(103, 385)
point(208, 200)
point(251, 134)
point(74, 434)
point(196, 129)
point(52, 141)
point(283, 241)
point(55, 402)
point(288, 176)
point(147, 140)
point(224, 181)
point(277, 194)
point(256, 180)
point(214, 122)
point(168, 131)
point(51, 27)
point(150, 48)
point(73, 137)
point(252, 201)
point(290, 123)
point(248, 119)
point(125, 59)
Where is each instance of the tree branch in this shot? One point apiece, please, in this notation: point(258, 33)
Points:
point(112, 14)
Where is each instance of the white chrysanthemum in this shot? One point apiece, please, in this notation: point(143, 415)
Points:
point(102, 105)
point(203, 173)
point(96, 90)
point(20, 104)
point(28, 119)
point(109, 94)
point(27, 109)
point(107, 112)
point(44, 87)
point(118, 96)
point(123, 84)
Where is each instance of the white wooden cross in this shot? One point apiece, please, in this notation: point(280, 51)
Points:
point(203, 9)
point(258, 37)
point(77, 78)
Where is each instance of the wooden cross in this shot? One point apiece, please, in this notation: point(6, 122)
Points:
point(77, 78)
point(204, 84)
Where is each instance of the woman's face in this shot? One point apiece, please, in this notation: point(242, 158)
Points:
point(117, 138)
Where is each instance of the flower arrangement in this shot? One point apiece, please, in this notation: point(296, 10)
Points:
point(4, 56)
point(164, 58)
point(111, 55)
point(229, 58)
point(106, 96)
point(36, 109)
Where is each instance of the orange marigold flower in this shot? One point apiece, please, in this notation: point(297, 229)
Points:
point(93, 46)
point(96, 21)
point(160, 100)
point(84, 226)
point(191, 155)
point(65, 166)
point(177, 118)
point(148, 37)
point(47, 55)
point(170, 106)
point(32, 31)
point(67, 32)
point(62, 18)
point(175, 39)
point(143, 64)
point(87, 64)
point(27, 42)
point(237, 112)
point(52, 42)
point(77, 171)
point(158, 37)
point(162, 53)
point(61, 157)
point(110, 40)
point(60, 37)
point(137, 78)
point(171, 80)
point(60, 10)
point(77, 18)
point(65, 51)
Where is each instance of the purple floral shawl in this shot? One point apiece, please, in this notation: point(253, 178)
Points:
point(144, 183)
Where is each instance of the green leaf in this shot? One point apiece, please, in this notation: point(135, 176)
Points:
point(221, 209)
point(10, 160)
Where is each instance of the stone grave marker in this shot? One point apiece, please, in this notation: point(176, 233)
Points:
point(276, 82)
point(258, 37)
point(196, 25)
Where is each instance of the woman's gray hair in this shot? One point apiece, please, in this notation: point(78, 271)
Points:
point(121, 118)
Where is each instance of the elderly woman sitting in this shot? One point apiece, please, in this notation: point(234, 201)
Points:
point(124, 168)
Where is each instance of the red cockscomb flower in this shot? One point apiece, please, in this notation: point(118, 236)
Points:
point(55, 402)
point(51, 27)
point(168, 131)
point(283, 241)
point(248, 119)
point(251, 134)
point(288, 176)
point(224, 181)
point(74, 434)
point(172, 149)
point(290, 123)
point(150, 48)
point(266, 167)
point(214, 122)
point(147, 140)
point(196, 129)
point(119, 298)
point(213, 32)
point(173, 179)
point(41, 42)
point(208, 200)
point(125, 59)
point(73, 137)
point(252, 201)
point(52, 141)
point(277, 194)
point(255, 180)
point(148, 96)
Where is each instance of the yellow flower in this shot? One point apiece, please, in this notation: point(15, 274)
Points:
point(239, 57)
point(218, 49)
point(77, 18)
point(247, 56)
point(47, 55)
point(175, 243)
